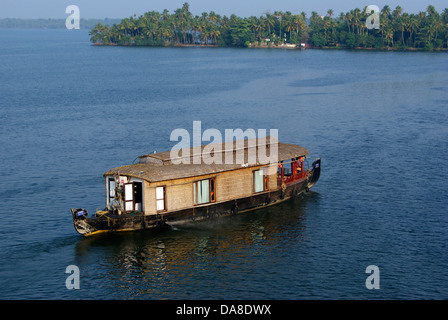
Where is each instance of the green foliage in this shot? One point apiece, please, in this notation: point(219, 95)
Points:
point(351, 41)
point(240, 33)
point(318, 40)
point(427, 30)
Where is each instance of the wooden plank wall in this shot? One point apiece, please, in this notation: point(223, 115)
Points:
point(229, 185)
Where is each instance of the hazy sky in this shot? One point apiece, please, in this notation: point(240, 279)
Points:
point(242, 8)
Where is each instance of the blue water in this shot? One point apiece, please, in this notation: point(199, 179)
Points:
point(69, 111)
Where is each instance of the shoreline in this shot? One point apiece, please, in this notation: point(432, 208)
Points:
point(285, 47)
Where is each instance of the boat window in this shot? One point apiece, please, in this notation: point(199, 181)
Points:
point(111, 189)
point(160, 199)
point(204, 191)
point(260, 180)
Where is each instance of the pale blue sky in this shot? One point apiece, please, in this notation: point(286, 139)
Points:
point(242, 8)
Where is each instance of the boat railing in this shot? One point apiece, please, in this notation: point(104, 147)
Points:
point(288, 178)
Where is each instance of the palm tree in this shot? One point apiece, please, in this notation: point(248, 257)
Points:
point(270, 21)
point(431, 10)
point(279, 16)
point(348, 19)
point(125, 25)
point(140, 25)
point(326, 25)
point(215, 33)
point(357, 19)
point(437, 25)
point(389, 33)
point(95, 33)
point(299, 23)
point(404, 25)
point(398, 11)
point(254, 25)
point(341, 17)
point(385, 12)
point(444, 15)
point(413, 25)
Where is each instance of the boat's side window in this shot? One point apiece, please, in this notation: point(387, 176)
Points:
point(161, 199)
point(204, 191)
point(260, 180)
point(111, 189)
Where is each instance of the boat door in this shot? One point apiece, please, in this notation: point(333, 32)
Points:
point(133, 196)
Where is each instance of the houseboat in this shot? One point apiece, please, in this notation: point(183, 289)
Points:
point(161, 191)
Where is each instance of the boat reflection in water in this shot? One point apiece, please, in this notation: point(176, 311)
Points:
point(166, 263)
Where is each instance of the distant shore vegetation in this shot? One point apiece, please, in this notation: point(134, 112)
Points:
point(398, 30)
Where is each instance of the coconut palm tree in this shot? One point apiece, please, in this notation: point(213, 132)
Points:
point(414, 23)
point(348, 19)
point(444, 15)
point(299, 24)
point(389, 34)
point(385, 12)
point(95, 33)
point(357, 18)
point(289, 25)
point(270, 22)
point(214, 34)
point(253, 21)
point(397, 12)
point(431, 10)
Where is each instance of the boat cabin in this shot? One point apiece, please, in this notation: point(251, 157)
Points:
point(156, 185)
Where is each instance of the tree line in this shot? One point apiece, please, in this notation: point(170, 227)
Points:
point(426, 30)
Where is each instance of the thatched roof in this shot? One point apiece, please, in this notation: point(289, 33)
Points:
point(184, 163)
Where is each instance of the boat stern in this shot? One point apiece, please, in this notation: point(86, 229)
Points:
point(80, 221)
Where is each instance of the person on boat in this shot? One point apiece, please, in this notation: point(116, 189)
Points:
point(300, 166)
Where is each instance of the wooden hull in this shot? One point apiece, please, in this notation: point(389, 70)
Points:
point(138, 221)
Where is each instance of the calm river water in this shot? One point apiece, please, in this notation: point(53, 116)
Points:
point(69, 111)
